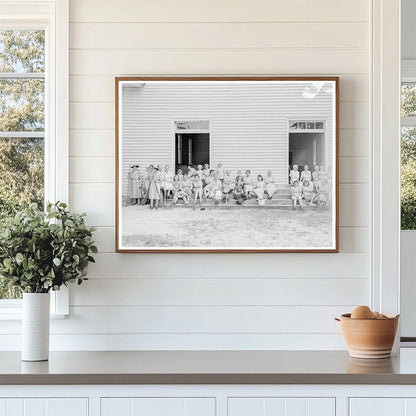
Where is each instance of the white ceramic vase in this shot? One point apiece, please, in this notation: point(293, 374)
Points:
point(35, 327)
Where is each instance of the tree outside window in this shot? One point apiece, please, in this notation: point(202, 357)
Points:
point(22, 124)
point(408, 157)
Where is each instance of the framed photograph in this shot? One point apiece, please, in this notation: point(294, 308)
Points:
point(227, 164)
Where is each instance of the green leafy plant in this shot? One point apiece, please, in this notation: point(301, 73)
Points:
point(43, 251)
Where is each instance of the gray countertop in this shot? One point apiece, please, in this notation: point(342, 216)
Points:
point(207, 367)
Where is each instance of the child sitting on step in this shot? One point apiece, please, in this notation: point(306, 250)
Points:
point(296, 194)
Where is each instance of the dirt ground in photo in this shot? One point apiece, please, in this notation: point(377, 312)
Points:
point(225, 228)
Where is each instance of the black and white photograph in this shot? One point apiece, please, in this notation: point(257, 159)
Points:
point(227, 164)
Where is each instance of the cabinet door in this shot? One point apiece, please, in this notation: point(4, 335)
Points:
point(44, 407)
point(268, 406)
point(377, 406)
point(160, 406)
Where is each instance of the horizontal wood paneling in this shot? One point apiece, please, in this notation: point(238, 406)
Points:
point(96, 199)
point(354, 115)
point(218, 291)
point(92, 169)
point(92, 115)
point(306, 61)
point(95, 143)
point(218, 35)
point(88, 115)
point(218, 11)
point(99, 88)
point(200, 319)
point(354, 205)
point(191, 341)
point(100, 143)
point(195, 319)
point(354, 169)
point(354, 239)
point(236, 266)
point(354, 142)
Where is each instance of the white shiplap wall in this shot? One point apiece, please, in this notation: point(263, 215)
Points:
point(218, 301)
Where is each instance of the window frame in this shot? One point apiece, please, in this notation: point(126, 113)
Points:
point(408, 76)
point(53, 17)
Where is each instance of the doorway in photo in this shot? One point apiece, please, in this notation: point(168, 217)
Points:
point(192, 144)
point(307, 144)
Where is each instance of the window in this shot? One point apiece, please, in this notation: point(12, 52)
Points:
point(408, 155)
point(22, 124)
point(33, 114)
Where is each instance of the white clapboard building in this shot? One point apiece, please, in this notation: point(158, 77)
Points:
point(244, 125)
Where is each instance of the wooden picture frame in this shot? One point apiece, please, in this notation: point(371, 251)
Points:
point(259, 124)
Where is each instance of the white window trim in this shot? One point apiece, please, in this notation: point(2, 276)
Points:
point(57, 107)
point(385, 151)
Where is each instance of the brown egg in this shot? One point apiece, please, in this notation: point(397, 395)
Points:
point(362, 312)
point(381, 316)
point(376, 314)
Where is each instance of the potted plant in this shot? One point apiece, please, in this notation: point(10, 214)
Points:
point(40, 252)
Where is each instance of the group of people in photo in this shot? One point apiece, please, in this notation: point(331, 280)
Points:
point(157, 186)
point(312, 188)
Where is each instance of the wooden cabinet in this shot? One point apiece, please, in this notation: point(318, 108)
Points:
point(44, 407)
point(377, 406)
point(158, 406)
point(281, 407)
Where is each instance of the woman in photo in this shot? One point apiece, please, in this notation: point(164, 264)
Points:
point(167, 183)
point(316, 174)
point(308, 192)
point(208, 190)
point(216, 186)
point(186, 188)
point(323, 193)
point(177, 186)
point(146, 184)
point(323, 174)
point(154, 187)
point(259, 188)
point(306, 174)
point(270, 184)
point(294, 174)
point(239, 195)
point(136, 185)
point(228, 184)
point(248, 184)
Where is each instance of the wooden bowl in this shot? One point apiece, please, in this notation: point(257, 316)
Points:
point(369, 338)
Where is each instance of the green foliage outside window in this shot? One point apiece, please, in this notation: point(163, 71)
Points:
point(408, 159)
point(21, 110)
